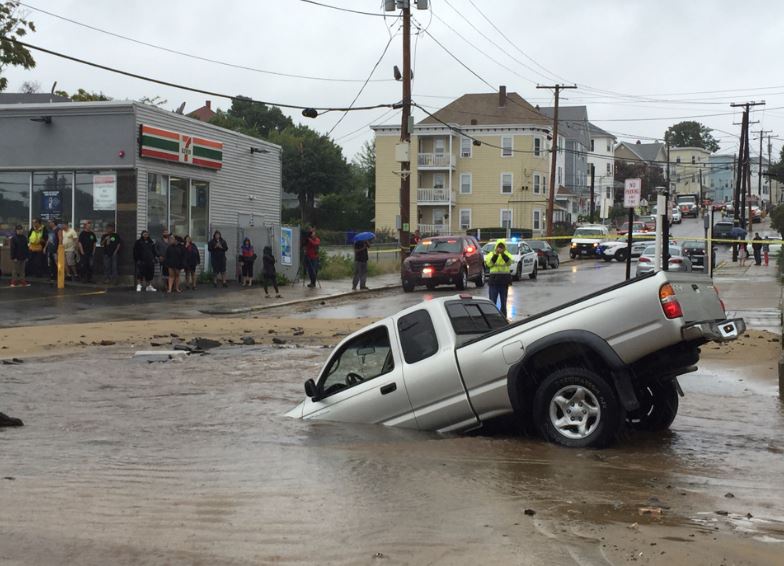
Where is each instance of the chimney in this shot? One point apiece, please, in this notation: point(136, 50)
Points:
point(638, 142)
point(502, 96)
point(208, 104)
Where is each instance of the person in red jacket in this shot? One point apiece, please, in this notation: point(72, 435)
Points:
point(312, 243)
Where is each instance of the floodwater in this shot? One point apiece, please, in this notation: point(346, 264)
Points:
point(192, 462)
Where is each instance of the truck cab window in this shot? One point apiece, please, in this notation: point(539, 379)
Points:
point(365, 357)
point(475, 318)
point(417, 336)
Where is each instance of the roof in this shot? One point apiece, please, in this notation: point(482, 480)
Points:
point(596, 131)
point(645, 151)
point(572, 121)
point(205, 113)
point(485, 110)
point(32, 98)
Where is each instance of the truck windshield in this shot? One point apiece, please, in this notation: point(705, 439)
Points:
point(452, 246)
point(474, 318)
point(588, 233)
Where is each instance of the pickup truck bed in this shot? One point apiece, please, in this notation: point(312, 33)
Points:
point(578, 373)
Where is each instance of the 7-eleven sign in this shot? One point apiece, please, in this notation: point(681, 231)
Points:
point(156, 143)
point(186, 148)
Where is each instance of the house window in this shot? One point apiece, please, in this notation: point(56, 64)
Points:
point(677, 160)
point(537, 186)
point(544, 185)
point(465, 183)
point(560, 175)
point(693, 159)
point(465, 147)
point(439, 146)
point(506, 146)
point(609, 146)
point(592, 145)
point(465, 218)
point(537, 221)
point(609, 168)
point(506, 217)
point(506, 183)
point(438, 181)
point(537, 147)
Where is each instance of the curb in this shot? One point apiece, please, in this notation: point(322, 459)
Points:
point(255, 308)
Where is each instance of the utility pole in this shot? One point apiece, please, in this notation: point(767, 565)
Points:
point(405, 132)
point(665, 215)
point(761, 134)
point(743, 165)
point(702, 198)
point(554, 155)
point(592, 193)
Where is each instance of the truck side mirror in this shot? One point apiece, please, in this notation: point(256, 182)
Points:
point(310, 388)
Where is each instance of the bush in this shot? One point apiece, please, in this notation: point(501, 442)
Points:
point(777, 219)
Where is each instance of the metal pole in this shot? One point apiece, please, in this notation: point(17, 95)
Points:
point(629, 245)
point(405, 137)
point(592, 193)
point(665, 212)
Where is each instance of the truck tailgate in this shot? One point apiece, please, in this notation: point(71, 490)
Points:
point(697, 296)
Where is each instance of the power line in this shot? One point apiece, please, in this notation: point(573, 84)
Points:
point(188, 88)
point(362, 88)
point(194, 56)
point(338, 8)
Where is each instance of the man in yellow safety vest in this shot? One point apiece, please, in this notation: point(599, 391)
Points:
point(499, 261)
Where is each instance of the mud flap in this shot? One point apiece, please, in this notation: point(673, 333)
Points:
point(626, 395)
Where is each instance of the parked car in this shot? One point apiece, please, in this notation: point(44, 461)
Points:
point(649, 221)
point(677, 262)
point(617, 249)
point(444, 260)
point(548, 257)
point(695, 251)
point(721, 230)
point(579, 372)
point(637, 226)
point(524, 260)
point(677, 217)
point(586, 239)
point(756, 214)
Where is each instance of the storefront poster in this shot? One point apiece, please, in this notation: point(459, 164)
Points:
point(104, 192)
point(286, 237)
point(51, 205)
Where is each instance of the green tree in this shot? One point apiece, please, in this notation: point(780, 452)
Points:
point(364, 164)
point(691, 134)
point(13, 26)
point(313, 165)
point(651, 176)
point(252, 118)
point(82, 95)
point(777, 219)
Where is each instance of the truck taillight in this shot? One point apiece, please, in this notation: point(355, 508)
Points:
point(670, 305)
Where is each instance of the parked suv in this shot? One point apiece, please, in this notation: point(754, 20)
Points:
point(444, 260)
point(586, 239)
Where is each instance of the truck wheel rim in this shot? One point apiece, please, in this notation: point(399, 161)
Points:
point(575, 412)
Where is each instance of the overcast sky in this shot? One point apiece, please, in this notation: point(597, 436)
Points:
point(665, 54)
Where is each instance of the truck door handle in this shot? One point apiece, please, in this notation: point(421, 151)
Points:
point(388, 388)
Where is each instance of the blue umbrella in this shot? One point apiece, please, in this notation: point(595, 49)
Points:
point(362, 236)
point(738, 232)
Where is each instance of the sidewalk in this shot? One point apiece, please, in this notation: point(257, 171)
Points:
point(752, 292)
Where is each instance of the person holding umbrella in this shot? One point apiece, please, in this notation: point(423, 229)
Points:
point(361, 246)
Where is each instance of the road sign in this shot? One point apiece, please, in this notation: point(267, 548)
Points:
point(632, 190)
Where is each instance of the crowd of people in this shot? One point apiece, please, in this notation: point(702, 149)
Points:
point(760, 250)
point(34, 254)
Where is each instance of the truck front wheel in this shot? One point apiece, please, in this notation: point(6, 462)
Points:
point(658, 407)
point(575, 407)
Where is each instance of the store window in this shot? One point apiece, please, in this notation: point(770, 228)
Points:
point(179, 204)
point(52, 197)
point(14, 202)
point(178, 199)
point(96, 200)
point(200, 225)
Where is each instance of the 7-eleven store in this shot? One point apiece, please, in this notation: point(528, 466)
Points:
point(139, 167)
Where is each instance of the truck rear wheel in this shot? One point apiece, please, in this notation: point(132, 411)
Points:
point(575, 407)
point(658, 407)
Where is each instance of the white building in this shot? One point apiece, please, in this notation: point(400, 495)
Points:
point(602, 157)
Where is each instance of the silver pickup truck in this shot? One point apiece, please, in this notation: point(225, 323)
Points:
point(578, 373)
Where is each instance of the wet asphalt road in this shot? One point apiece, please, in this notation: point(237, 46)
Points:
point(526, 297)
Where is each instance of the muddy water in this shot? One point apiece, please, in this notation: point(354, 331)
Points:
point(192, 462)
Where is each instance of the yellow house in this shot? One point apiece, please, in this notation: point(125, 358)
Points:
point(685, 166)
point(457, 184)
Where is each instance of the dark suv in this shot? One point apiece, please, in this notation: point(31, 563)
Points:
point(444, 260)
